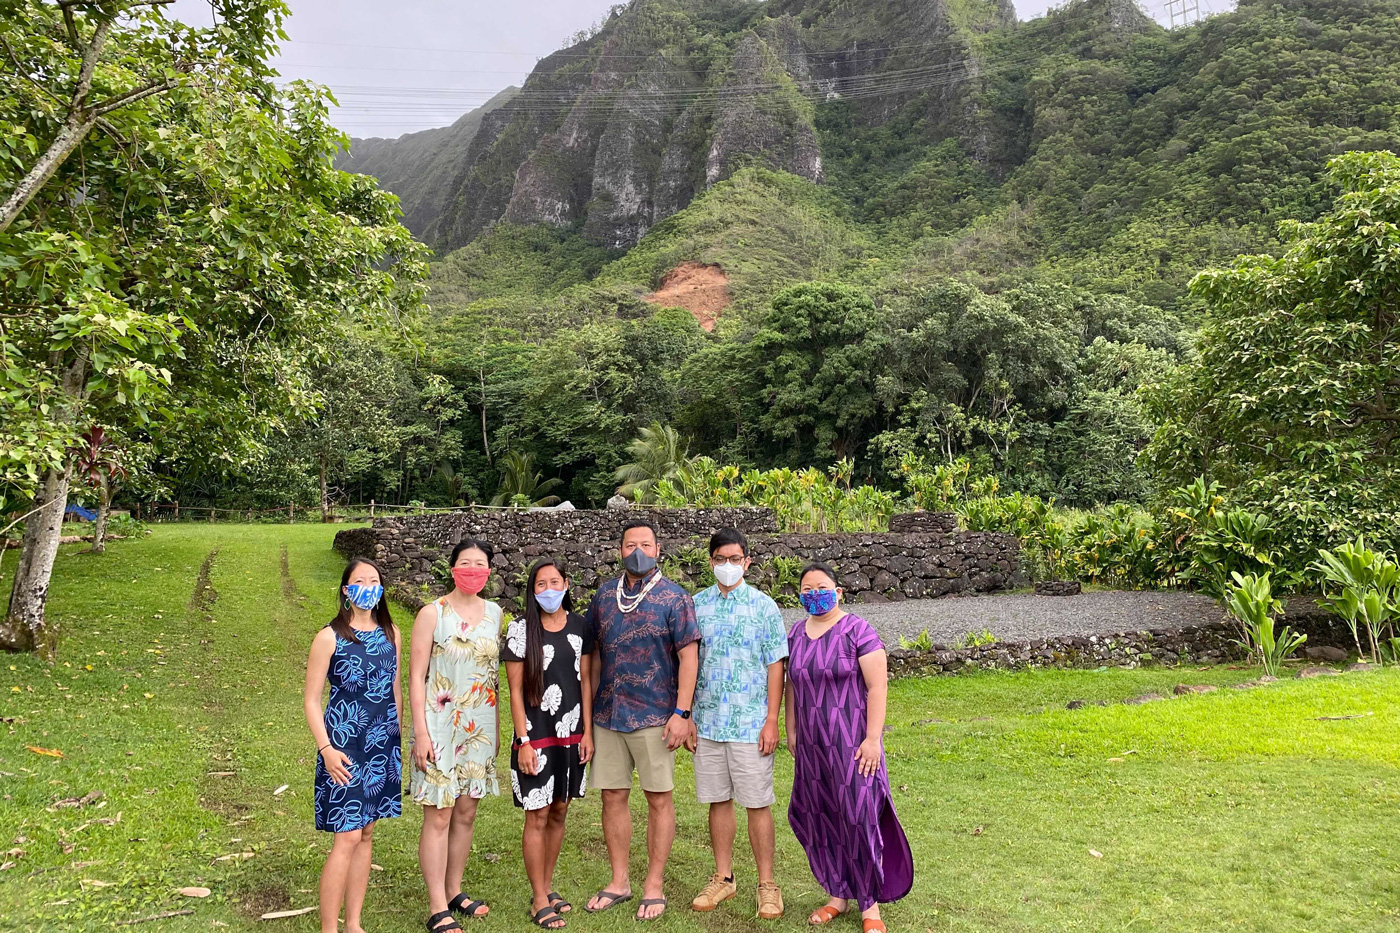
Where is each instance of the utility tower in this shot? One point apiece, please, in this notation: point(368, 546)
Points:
point(1182, 12)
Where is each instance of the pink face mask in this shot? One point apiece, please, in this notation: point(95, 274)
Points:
point(470, 579)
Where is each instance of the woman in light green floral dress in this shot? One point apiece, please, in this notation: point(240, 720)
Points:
point(453, 682)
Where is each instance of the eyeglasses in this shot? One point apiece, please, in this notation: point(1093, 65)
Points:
point(732, 561)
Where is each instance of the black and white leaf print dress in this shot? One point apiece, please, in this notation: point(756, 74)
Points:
point(557, 723)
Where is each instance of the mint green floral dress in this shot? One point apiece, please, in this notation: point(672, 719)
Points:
point(463, 682)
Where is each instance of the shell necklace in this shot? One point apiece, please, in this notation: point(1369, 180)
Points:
point(630, 604)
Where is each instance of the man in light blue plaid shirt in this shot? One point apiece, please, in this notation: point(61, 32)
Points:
point(735, 728)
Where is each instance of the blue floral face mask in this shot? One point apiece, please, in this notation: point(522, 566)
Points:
point(364, 597)
point(818, 602)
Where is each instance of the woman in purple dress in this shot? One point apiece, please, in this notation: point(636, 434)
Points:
point(841, 809)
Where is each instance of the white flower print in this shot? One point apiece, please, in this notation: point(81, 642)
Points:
point(515, 784)
point(540, 797)
point(515, 637)
point(568, 722)
point(548, 655)
point(551, 700)
point(576, 643)
point(541, 760)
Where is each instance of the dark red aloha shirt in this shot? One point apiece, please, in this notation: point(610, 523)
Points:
point(638, 684)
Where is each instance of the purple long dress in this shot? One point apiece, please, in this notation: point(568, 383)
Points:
point(845, 822)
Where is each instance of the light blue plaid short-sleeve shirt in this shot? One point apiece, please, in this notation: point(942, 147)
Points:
point(740, 635)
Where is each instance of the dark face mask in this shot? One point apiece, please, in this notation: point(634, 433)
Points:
point(639, 563)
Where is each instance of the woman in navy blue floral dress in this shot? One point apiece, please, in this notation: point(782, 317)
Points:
point(359, 765)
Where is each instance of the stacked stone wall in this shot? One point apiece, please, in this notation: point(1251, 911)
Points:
point(875, 567)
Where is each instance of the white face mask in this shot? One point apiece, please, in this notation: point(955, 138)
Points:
point(728, 574)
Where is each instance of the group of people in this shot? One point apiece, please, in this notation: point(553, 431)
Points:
point(604, 698)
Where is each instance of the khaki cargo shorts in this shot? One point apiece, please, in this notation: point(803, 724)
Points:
point(733, 771)
point(617, 754)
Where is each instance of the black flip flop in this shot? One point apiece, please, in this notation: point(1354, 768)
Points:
point(545, 916)
point(468, 909)
point(652, 902)
point(556, 900)
point(613, 900)
point(437, 918)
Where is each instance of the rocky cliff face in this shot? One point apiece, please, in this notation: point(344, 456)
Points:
point(672, 96)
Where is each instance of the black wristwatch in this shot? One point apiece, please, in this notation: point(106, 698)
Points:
point(683, 713)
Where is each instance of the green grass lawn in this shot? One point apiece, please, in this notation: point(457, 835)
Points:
point(177, 697)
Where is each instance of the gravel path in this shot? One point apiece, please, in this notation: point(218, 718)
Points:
point(1023, 616)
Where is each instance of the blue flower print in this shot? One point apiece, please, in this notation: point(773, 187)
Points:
point(379, 684)
point(346, 720)
point(362, 723)
point(376, 643)
point(350, 672)
point(377, 736)
point(348, 817)
point(376, 772)
point(389, 807)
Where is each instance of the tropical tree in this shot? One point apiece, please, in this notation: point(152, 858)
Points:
point(1294, 400)
point(817, 351)
point(657, 453)
point(183, 274)
point(522, 486)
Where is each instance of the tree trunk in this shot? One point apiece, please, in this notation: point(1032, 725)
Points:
point(104, 509)
point(24, 628)
point(74, 131)
point(325, 500)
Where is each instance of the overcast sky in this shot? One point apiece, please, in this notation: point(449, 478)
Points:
point(412, 64)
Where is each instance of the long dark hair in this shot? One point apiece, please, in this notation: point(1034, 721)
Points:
point(341, 623)
point(534, 630)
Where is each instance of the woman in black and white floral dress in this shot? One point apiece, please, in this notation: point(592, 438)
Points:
point(547, 655)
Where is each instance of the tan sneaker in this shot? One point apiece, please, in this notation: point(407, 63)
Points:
point(716, 892)
point(770, 900)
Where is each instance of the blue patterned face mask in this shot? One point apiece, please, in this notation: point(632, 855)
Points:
point(551, 600)
point(364, 597)
point(818, 602)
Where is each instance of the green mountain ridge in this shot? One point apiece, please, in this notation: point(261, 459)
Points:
point(421, 167)
point(1089, 146)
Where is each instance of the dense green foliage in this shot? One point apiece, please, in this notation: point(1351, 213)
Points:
point(1294, 400)
point(186, 266)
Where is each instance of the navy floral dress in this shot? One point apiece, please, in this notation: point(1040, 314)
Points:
point(363, 722)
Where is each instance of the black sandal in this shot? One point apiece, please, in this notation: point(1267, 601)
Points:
point(556, 900)
point(437, 918)
point(613, 899)
point(468, 909)
point(545, 916)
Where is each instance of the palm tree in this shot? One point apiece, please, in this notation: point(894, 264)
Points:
point(521, 485)
point(455, 484)
point(657, 453)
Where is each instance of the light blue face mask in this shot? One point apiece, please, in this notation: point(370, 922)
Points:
point(363, 596)
point(551, 600)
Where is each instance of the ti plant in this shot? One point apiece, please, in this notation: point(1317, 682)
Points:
point(1251, 601)
point(1363, 587)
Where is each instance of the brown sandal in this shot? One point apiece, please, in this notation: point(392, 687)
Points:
point(871, 925)
point(826, 912)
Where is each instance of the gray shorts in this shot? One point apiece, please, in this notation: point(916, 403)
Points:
point(733, 771)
